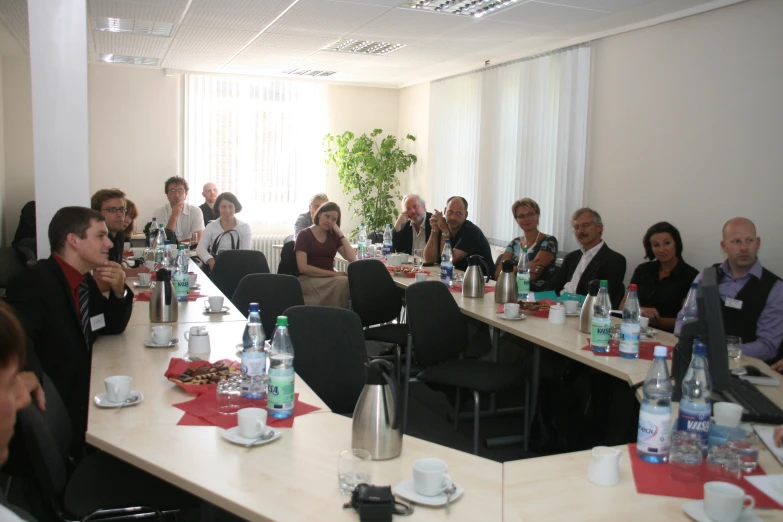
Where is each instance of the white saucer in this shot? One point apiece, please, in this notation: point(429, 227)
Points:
point(139, 285)
point(149, 343)
point(232, 435)
point(195, 287)
point(223, 311)
point(503, 316)
point(695, 510)
point(575, 314)
point(134, 398)
point(405, 490)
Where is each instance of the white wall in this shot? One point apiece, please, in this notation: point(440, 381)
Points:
point(687, 126)
point(3, 191)
point(414, 118)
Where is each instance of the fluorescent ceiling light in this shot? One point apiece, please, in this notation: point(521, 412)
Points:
point(124, 25)
point(308, 72)
point(135, 60)
point(474, 8)
point(354, 46)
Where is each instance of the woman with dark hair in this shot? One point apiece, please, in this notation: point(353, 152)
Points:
point(226, 233)
point(131, 213)
point(664, 281)
point(316, 247)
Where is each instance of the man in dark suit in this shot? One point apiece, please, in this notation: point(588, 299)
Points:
point(413, 228)
point(62, 309)
point(594, 260)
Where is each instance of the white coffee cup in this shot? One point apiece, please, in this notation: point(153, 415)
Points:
point(727, 414)
point(252, 422)
point(145, 278)
point(198, 339)
point(557, 314)
point(371, 250)
point(191, 280)
point(724, 502)
point(215, 303)
point(393, 260)
point(161, 334)
point(644, 322)
point(430, 477)
point(571, 306)
point(127, 246)
point(604, 468)
point(118, 388)
point(138, 252)
point(421, 277)
point(511, 310)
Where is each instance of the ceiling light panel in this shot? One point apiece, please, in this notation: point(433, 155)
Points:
point(169, 12)
point(473, 8)
point(366, 47)
point(309, 72)
point(409, 26)
point(134, 60)
point(124, 25)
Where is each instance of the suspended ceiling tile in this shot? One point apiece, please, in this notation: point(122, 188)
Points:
point(206, 46)
point(236, 19)
point(250, 7)
point(187, 65)
point(109, 40)
point(13, 14)
point(266, 61)
point(194, 56)
point(601, 5)
point(403, 25)
point(486, 29)
point(547, 15)
point(292, 41)
point(136, 10)
point(274, 52)
point(132, 51)
point(214, 34)
point(326, 18)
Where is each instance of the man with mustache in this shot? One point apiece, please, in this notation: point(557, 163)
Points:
point(466, 238)
point(413, 228)
point(594, 260)
point(752, 295)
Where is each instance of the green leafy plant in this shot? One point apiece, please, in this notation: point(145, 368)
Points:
point(367, 167)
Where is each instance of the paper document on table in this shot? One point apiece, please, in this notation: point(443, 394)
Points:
point(770, 485)
point(765, 433)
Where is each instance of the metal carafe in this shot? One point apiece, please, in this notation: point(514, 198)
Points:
point(586, 316)
point(506, 289)
point(473, 282)
point(377, 423)
point(163, 299)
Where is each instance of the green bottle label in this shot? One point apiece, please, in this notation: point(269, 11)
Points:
point(280, 390)
point(600, 331)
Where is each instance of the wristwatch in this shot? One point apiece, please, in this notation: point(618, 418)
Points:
point(446, 234)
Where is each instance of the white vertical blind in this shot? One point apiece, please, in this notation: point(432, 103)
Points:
point(258, 138)
point(513, 131)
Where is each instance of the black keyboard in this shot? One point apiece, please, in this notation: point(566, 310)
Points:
point(757, 406)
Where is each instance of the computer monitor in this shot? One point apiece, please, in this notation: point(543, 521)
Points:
point(709, 328)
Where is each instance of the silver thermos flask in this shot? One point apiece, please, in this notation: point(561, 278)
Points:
point(377, 423)
point(586, 317)
point(506, 289)
point(163, 299)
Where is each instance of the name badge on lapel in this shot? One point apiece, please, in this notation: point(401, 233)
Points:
point(97, 322)
point(734, 303)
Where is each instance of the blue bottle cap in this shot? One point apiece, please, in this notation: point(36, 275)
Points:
point(699, 349)
point(254, 307)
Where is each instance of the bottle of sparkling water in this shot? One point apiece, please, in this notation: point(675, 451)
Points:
point(446, 265)
point(601, 329)
point(361, 243)
point(523, 276)
point(254, 380)
point(630, 328)
point(691, 309)
point(152, 240)
point(280, 391)
point(655, 414)
point(387, 241)
point(160, 246)
point(181, 278)
point(695, 408)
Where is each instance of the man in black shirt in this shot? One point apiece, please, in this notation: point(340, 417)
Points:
point(466, 238)
point(210, 193)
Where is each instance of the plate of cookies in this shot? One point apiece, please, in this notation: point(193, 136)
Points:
point(200, 376)
point(539, 308)
point(406, 271)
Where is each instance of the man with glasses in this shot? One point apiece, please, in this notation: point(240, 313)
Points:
point(111, 204)
point(594, 260)
point(185, 220)
point(466, 238)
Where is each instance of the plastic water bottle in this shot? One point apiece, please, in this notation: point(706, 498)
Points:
point(630, 328)
point(387, 241)
point(280, 391)
point(695, 405)
point(160, 246)
point(153, 237)
point(446, 265)
point(361, 243)
point(523, 276)
point(254, 357)
point(601, 328)
point(655, 414)
point(181, 278)
point(691, 309)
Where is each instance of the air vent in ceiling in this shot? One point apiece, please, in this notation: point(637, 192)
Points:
point(124, 25)
point(135, 60)
point(474, 8)
point(309, 72)
point(362, 47)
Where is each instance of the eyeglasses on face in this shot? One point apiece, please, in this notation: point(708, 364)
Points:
point(528, 215)
point(458, 213)
point(176, 191)
point(583, 226)
point(115, 210)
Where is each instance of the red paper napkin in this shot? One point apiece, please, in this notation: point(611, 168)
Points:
point(202, 411)
point(653, 479)
point(457, 287)
point(646, 349)
point(146, 295)
point(178, 366)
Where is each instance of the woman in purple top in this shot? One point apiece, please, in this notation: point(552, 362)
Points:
point(315, 248)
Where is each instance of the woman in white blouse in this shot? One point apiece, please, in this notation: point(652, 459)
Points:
point(226, 233)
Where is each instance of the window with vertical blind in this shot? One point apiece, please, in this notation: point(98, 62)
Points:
point(258, 138)
point(512, 131)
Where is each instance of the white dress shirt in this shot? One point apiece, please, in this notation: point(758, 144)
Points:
point(214, 230)
point(587, 256)
point(191, 220)
point(420, 239)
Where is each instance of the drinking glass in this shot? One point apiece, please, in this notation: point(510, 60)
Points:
point(734, 347)
point(723, 464)
point(748, 450)
point(418, 258)
point(685, 457)
point(229, 395)
point(353, 468)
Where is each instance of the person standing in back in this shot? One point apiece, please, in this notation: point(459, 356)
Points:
point(305, 219)
point(208, 208)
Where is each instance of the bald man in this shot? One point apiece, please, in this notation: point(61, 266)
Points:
point(752, 295)
point(210, 193)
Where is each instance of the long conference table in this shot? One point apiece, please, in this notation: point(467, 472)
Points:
point(295, 478)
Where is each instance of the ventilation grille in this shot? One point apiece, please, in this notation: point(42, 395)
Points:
point(124, 25)
point(135, 60)
point(309, 72)
point(362, 47)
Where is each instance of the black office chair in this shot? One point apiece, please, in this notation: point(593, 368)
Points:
point(274, 293)
point(375, 237)
point(232, 265)
point(287, 263)
point(329, 353)
point(99, 485)
point(439, 337)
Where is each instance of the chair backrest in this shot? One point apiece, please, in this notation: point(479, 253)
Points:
point(232, 265)
point(438, 330)
point(374, 296)
point(274, 293)
point(10, 265)
point(287, 259)
point(329, 353)
point(47, 440)
point(375, 237)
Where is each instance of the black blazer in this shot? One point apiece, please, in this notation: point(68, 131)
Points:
point(402, 241)
point(606, 264)
point(45, 306)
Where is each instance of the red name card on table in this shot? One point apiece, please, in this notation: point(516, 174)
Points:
point(203, 411)
point(646, 349)
point(653, 479)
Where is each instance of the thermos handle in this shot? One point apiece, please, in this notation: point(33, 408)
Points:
point(488, 272)
point(393, 384)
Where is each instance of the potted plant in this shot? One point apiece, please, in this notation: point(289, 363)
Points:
point(367, 167)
